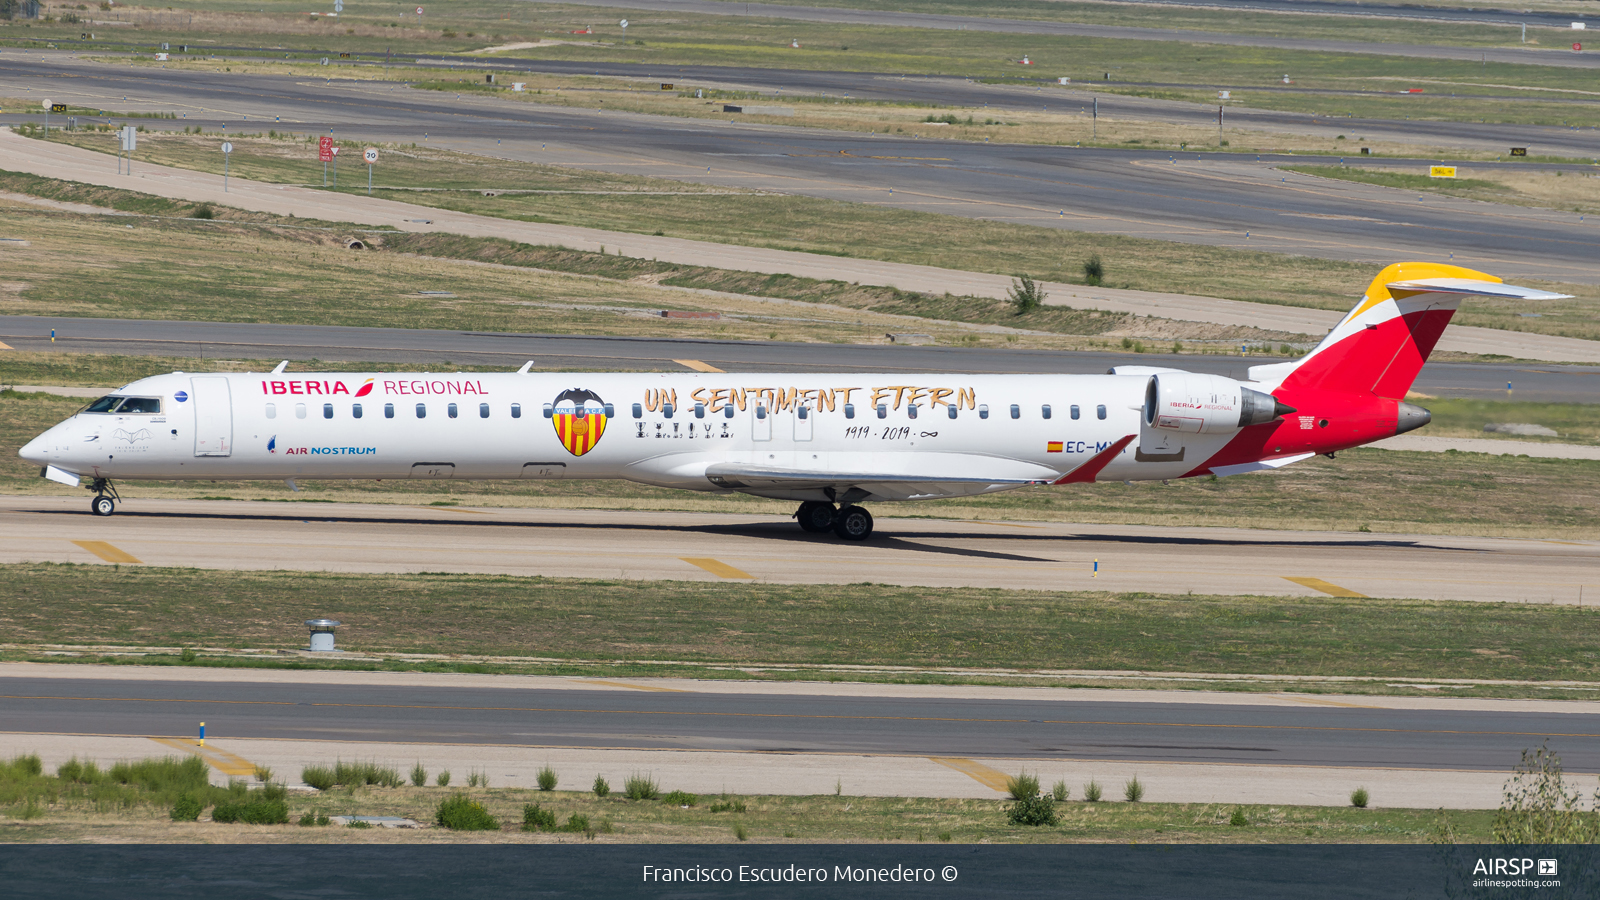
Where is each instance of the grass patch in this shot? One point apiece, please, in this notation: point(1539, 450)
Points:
point(719, 625)
point(777, 819)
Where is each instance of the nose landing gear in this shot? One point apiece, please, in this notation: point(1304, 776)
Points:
point(105, 495)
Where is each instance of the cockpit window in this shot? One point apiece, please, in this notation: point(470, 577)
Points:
point(114, 403)
point(140, 405)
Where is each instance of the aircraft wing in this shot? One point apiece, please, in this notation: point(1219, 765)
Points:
point(769, 481)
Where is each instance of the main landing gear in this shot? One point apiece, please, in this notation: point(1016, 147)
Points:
point(852, 523)
point(105, 497)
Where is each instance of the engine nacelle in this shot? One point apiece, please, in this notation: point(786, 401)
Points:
point(1191, 403)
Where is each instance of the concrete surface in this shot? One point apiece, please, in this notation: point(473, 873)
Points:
point(927, 552)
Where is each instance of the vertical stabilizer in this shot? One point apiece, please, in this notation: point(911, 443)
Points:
point(1379, 348)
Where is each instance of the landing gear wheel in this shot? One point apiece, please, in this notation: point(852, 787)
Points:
point(102, 506)
point(815, 516)
point(853, 523)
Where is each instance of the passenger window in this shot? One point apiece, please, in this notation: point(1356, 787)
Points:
point(549, 411)
point(761, 412)
point(911, 410)
point(666, 410)
point(1100, 411)
point(450, 410)
point(611, 411)
point(516, 410)
point(422, 410)
point(638, 410)
point(327, 410)
point(299, 410)
point(355, 410)
point(104, 404)
point(272, 410)
point(483, 410)
point(883, 411)
point(727, 411)
point(950, 408)
point(1074, 411)
point(983, 410)
point(849, 410)
point(699, 410)
point(1045, 410)
point(1016, 411)
point(388, 410)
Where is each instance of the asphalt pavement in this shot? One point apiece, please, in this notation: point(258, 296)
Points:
point(1221, 200)
point(419, 347)
point(992, 728)
point(879, 17)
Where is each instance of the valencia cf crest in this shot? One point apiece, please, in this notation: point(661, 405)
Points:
point(579, 418)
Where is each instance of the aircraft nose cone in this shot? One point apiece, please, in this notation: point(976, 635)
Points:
point(34, 450)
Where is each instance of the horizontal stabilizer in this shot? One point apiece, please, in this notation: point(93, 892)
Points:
point(1472, 287)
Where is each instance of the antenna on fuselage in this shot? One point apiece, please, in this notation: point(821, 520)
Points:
point(281, 366)
point(525, 367)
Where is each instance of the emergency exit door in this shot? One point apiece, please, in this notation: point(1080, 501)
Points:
point(213, 416)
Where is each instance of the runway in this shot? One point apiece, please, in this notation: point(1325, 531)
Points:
point(1222, 200)
point(803, 738)
point(877, 17)
point(423, 348)
point(628, 544)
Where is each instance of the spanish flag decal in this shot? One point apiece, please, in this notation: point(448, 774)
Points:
point(579, 418)
point(1053, 447)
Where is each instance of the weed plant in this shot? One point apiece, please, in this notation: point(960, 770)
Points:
point(419, 775)
point(1359, 798)
point(1022, 786)
point(547, 779)
point(680, 798)
point(641, 787)
point(729, 805)
point(1032, 811)
point(537, 818)
point(1059, 792)
point(156, 782)
point(1133, 791)
point(1093, 792)
point(601, 787)
point(443, 779)
point(458, 812)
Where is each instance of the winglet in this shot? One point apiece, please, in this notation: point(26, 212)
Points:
point(1086, 472)
point(281, 366)
point(525, 367)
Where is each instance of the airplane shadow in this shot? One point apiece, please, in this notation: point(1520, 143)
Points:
point(905, 537)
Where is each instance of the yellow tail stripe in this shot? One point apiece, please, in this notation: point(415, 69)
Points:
point(1317, 584)
point(107, 552)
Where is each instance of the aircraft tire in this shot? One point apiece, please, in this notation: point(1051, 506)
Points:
point(102, 506)
point(815, 516)
point(852, 523)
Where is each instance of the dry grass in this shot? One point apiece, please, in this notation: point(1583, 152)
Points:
point(767, 819)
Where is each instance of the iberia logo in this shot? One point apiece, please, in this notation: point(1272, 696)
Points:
point(579, 418)
point(365, 389)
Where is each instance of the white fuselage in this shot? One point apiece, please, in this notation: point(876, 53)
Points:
point(663, 429)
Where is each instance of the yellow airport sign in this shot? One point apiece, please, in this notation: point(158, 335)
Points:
point(1441, 171)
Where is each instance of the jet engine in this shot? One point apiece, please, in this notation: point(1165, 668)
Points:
point(1191, 403)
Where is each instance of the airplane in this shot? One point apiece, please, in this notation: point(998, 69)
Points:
point(830, 442)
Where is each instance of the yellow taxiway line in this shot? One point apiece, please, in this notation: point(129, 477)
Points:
point(219, 759)
point(1317, 584)
point(716, 567)
point(977, 771)
point(697, 365)
point(107, 552)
